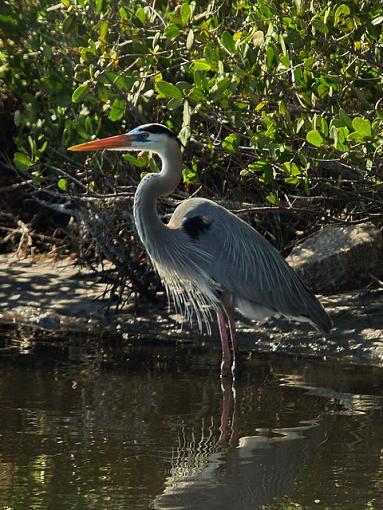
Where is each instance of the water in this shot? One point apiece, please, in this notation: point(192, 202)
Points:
point(101, 424)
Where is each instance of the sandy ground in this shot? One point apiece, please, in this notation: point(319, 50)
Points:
point(58, 296)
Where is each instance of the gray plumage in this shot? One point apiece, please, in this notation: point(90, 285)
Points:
point(208, 258)
point(244, 264)
point(206, 253)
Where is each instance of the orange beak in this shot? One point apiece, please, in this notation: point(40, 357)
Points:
point(113, 142)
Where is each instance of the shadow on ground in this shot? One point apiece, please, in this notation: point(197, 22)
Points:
point(59, 296)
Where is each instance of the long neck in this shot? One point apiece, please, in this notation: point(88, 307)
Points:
point(149, 225)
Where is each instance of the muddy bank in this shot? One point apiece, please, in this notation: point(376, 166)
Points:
point(58, 296)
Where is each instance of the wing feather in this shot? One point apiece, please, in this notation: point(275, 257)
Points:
point(248, 266)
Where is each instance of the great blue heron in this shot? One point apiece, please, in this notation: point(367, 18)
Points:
point(207, 257)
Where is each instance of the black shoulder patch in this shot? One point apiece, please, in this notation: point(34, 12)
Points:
point(158, 129)
point(196, 226)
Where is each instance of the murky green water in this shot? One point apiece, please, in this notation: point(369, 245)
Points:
point(108, 425)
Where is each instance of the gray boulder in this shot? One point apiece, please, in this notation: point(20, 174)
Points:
point(339, 257)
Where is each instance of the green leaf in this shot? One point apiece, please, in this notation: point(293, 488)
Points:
point(123, 13)
point(344, 119)
point(138, 162)
point(62, 184)
point(185, 12)
point(319, 25)
point(69, 23)
point(231, 143)
point(153, 166)
point(200, 80)
point(99, 5)
point(222, 85)
point(172, 31)
point(257, 166)
point(118, 109)
point(270, 53)
point(43, 147)
point(175, 103)
point(315, 138)
point(354, 137)
point(285, 61)
point(189, 176)
point(292, 169)
point(342, 11)
point(103, 31)
point(197, 95)
point(228, 42)
point(362, 126)
point(291, 180)
point(272, 198)
point(260, 105)
point(211, 55)
point(201, 65)
point(80, 92)
point(22, 161)
point(8, 21)
point(141, 15)
point(268, 174)
point(342, 136)
point(166, 89)
point(323, 125)
point(185, 86)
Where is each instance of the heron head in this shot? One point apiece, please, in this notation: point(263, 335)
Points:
point(149, 137)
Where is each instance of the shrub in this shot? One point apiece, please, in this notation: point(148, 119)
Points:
point(279, 103)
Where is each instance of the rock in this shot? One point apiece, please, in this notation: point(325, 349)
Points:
point(339, 257)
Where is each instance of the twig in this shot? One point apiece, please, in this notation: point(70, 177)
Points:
point(17, 185)
point(31, 233)
point(68, 176)
point(60, 208)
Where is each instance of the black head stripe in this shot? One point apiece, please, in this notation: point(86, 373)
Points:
point(157, 129)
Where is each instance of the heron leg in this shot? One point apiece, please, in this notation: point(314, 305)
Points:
point(227, 405)
point(228, 428)
point(226, 356)
point(234, 343)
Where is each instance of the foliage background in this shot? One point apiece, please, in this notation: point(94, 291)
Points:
point(279, 105)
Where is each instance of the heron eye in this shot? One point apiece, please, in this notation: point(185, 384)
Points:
point(144, 135)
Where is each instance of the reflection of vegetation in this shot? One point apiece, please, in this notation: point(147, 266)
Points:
point(282, 98)
point(39, 469)
point(284, 506)
point(35, 473)
point(289, 505)
point(90, 435)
